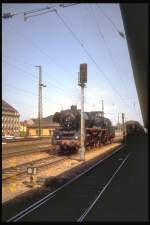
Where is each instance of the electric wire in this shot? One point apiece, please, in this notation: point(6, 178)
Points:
point(47, 82)
point(41, 50)
point(110, 20)
point(19, 68)
point(35, 45)
point(31, 93)
point(89, 55)
point(108, 50)
point(86, 51)
point(107, 47)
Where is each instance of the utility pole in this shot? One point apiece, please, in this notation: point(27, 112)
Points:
point(82, 81)
point(118, 122)
point(102, 107)
point(40, 100)
point(123, 126)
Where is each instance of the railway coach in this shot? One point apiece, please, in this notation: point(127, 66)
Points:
point(133, 127)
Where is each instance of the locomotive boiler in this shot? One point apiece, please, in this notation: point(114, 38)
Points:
point(98, 129)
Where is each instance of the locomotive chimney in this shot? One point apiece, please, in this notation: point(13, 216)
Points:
point(74, 107)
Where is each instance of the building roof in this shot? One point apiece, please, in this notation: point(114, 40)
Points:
point(7, 107)
point(45, 122)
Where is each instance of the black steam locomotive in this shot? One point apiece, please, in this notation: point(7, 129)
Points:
point(98, 129)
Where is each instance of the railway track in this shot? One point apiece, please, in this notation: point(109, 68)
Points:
point(23, 139)
point(31, 150)
point(77, 212)
point(20, 170)
point(25, 152)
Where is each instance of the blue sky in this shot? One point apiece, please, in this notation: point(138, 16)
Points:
point(45, 41)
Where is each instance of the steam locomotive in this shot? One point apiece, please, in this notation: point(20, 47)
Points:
point(98, 129)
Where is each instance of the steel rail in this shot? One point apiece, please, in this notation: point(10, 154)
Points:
point(82, 217)
point(34, 164)
point(25, 152)
point(35, 205)
point(25, 164)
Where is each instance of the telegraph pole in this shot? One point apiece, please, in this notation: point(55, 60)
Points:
point(40, 99)
point(118, 122)
point(102, 107)
point(82, 81)
point(123, 126)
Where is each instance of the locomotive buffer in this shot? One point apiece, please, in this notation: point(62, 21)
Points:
point(81, 82)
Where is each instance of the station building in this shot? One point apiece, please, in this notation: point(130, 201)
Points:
point(47, 126)
point(10, 120)
point(23, 128)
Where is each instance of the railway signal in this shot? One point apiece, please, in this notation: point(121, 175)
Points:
point(83, 74)
point(32, 172)
point(81, 82)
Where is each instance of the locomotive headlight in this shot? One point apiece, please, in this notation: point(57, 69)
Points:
point(76, 137)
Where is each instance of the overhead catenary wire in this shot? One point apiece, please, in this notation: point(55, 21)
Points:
point(48, 11)
point(83, 46)
point(43, 52)
point(49, 8)
point(10, 15)
point(123, 83)
point(85, 49)
point(107, 47)
point(110, 20)
point(24, 104)
point(89, 55)
point(19, 68)
point(31, 93)
point(36, 10)
point(47, 82)
point(35, 45)
point(7, 99)
point(47, 99)
point(50, 83)
point(44, 97)
point(64, 6)
point(18, 60)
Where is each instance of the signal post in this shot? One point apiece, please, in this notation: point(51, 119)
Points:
point(82, 81)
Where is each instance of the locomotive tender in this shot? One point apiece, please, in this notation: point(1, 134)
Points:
point(98, 129)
